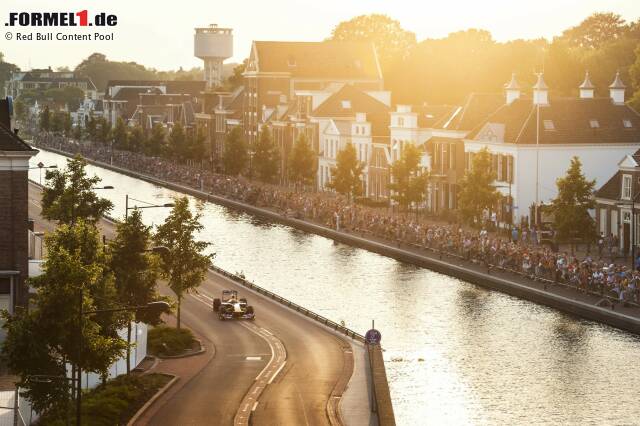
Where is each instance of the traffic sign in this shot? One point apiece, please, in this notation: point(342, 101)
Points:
point(373, 337)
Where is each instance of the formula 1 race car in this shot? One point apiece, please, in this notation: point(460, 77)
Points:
point(230, 307)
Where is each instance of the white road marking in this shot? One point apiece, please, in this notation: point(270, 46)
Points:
point(253, 358)
point(276, 373)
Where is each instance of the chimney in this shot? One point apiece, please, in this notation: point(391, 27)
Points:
point(540, 92)
point(587, 88)
point(512, 89)
point(616, 90)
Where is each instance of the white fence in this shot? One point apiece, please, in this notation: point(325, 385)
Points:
point(89, 381)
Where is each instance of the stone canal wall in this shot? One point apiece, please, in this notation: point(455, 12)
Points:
point(428, 260)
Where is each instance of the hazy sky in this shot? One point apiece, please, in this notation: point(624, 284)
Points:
point(160, 33)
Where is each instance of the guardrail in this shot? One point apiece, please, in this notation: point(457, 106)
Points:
point(288, 303)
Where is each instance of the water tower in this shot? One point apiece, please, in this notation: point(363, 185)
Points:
point(213, 45)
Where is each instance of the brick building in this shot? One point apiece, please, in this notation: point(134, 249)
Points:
point(281, 72)
point(14, 166)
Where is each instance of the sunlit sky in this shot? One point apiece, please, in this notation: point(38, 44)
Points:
point(159, 34)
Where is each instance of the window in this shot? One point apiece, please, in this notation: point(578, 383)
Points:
point(626, 187)
point(548, 125)
point(346, 104)
point(400, 121)
point(594, 124)
point(627, 124)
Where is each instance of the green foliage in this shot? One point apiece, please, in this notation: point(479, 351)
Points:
point(235, 152)
point(100, 70)
point(67, 124)
point(392, 42)
point(571, 207)
point(156, 142)
point(346, 176)
point(57, 122)
point(135, 270)
point(266, 160)
point(43, 339)
point(113, 403)
point(6, 69)
point(136, 139)
point(103, 130)
point(186, 265)
point(236, 79)
point(596, 31)
point(21, 110)
point(302, 162)
point(477, 191)
point(178, 142)
point(44, 121)
point(169, 341)
point(68, 96)
point(408, 183)
point(196, 145)
point(119, 134)
point(68, 194)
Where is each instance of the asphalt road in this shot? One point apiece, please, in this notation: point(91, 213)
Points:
point(300, 392)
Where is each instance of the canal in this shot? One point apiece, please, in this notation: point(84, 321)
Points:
point(455, 352)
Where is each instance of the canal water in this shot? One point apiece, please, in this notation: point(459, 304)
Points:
point(455, 353)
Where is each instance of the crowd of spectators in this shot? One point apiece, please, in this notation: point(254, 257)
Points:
point(520, 252)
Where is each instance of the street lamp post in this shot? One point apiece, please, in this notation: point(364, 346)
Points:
point(149, 206)
point(158, 306)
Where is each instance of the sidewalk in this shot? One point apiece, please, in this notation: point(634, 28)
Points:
point(184, 368)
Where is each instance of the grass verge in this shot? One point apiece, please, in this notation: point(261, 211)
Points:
point(169, 341)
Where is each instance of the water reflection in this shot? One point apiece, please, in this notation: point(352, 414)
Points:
point(455, 353)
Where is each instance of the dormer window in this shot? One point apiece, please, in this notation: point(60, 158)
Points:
point(594, 124)
point(346, 104)
point(627, 124)
point(548, 125)
point(626, 187)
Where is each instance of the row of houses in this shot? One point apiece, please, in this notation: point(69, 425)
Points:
point(333, 92)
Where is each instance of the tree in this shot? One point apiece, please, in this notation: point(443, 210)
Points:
point(409, 183)
point(393, 43)
point(302, 162)
point(100, 70)
point(68, 194)
point(596, 31)
point(266, 160)
point(236, 79)
point(103, 130)
point(21, 110)
point(571, 206)
point(235, 152)
point(119, 134)
point(156, 142)
point(91, 127)
point(195, 145)
point(186, 264)
point(67, 124)
point(57, 122)
point(135, 270)
point(178, 142)
point(136, 139)
point(44, 339)
point(346, 176)
point(477, 192)
point(44, 120)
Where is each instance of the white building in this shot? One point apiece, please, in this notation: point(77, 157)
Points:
point(533, 139)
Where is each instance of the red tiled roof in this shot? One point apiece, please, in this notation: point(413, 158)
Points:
point(327, 59)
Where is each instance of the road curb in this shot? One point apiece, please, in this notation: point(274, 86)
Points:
point(202, 350)
point(153, 399)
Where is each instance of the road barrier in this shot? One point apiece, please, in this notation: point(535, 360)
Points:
point(289, 304)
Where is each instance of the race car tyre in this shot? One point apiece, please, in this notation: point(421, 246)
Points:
point(243, 300)
point(250, 309)
point(216, 305)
